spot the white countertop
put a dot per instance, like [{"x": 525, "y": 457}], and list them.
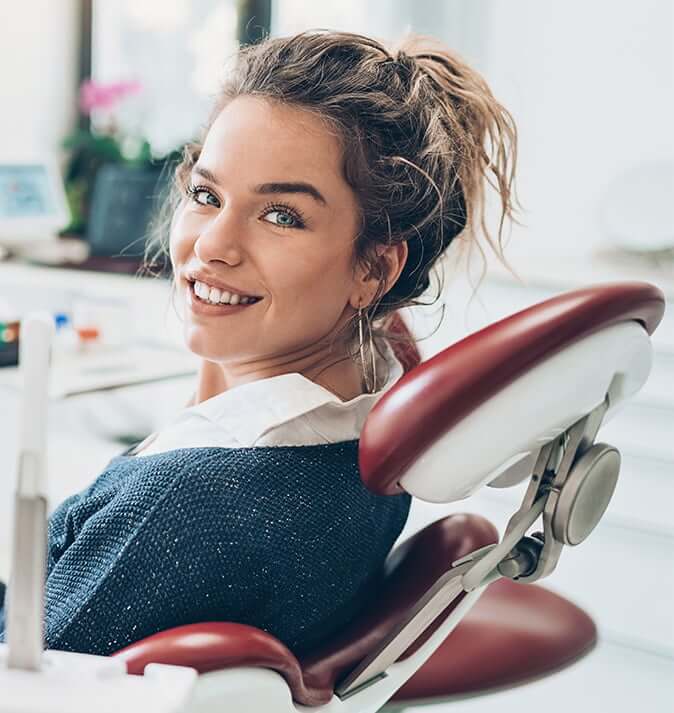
[{"x": 153, "y": 318}]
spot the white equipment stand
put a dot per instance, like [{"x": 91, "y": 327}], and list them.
[{"x": 33, "y": 680}]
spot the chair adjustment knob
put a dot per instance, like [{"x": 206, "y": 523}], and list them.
[
  {"x": 585, "y": 494},
  {"x": 523, "y": 558}
]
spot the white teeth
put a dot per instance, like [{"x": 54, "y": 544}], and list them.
[{"x": 216, "y": 296}]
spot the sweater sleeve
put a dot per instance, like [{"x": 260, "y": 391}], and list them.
[
  {"x": 127, "y": 573},
  {"x": 112, "y": 558}
]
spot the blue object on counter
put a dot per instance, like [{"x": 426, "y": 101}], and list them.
[{"x": 61, "y": 319}]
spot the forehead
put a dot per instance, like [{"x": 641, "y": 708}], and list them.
[{"x": 274, "y": 141}]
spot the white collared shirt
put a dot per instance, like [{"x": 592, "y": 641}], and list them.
[{"x": 288, "y": 409}]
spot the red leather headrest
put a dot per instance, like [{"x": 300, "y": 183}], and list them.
[{"x": 429, "y": 400}]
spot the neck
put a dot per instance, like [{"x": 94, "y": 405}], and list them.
[
  {"x": 336, "y": 372},
  {"x": 343, "y": 378}
]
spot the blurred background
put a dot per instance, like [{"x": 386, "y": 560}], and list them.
[{"x": 99, "y": 97}]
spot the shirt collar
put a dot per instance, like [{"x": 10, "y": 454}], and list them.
[{"x": 249, "y": 410}]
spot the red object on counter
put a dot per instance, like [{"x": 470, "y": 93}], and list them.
[{"x": 88, "y": 333}]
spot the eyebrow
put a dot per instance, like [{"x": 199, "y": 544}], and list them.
[{"x": 266, "y": 188}]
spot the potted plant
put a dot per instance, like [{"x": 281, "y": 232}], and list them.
[{"x": 112, "y": 179}]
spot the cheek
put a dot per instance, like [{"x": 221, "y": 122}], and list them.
[
  {"x": 181, "y": 239},
  {"x": 317, "y": 285}
]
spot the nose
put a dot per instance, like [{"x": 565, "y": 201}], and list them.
[{"x": 220, "y": 239}]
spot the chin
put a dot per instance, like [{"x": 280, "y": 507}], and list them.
[{"x": 202, "y": 344}]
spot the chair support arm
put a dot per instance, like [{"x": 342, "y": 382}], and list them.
[{"x": 517, "y": 557}]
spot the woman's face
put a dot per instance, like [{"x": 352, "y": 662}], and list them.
[{"x": 272, "y": 216}]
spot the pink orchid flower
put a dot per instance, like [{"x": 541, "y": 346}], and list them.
[{"x": 97, "y": 96}]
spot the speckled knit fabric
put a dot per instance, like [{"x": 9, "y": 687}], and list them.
[{"x": 283, "y": 538}]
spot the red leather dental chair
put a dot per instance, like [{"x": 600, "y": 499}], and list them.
[{"x": 455, "y": 612}]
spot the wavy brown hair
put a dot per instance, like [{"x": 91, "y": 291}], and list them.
[{"x": 422, "y": 137}]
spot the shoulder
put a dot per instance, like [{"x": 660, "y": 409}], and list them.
[{"x": 314, "y": 493}]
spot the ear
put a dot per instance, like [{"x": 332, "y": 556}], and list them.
[{"x": 395, "y": 256}]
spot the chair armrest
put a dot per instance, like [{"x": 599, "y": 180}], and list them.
[{"x": 211, "y": 646}]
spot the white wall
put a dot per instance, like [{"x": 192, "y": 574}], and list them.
[
  {"x": 591, "y": 87},
  {"x": 39, "y": 42}
]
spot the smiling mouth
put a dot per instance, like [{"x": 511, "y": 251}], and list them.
[{"x": 201, "y": 300}]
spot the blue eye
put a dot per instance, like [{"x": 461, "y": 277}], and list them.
[
  {"x": 195, "y": 191},
  {"x": 285, "y": 219},
  {"x": 291, "y": 218}
]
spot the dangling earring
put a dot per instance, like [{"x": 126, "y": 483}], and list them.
[{"x": 371, "y": 389}]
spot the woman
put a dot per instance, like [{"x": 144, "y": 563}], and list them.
[{"x": 332, "y": 176}]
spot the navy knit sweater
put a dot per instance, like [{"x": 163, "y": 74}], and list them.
[{"x": 286, "y": 539}]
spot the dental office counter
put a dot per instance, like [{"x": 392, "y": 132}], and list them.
[
  {"x": 36, "y": 287},
  {"x": 623, "y": 576}
]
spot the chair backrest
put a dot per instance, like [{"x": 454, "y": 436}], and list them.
[{"x": 406, "y": 352}]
